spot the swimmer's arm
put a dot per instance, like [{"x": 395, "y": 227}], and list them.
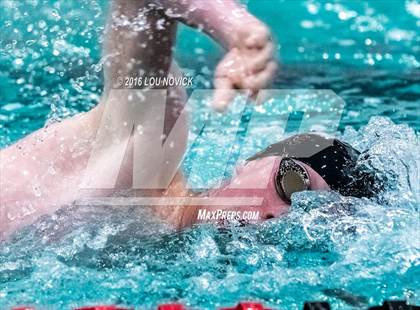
[
  {"x": 219, "y": 19},
  {"x": 249, "y": 63},
  {"x": 130, "y": 50},
  {"x": 43, "y": 171}
]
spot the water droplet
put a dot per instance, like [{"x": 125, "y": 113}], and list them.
[
  {"x": 42, "y": 24},
  {"x": 12, "y": 106},
  {"x": 199, "y": 51},
  {"x": 18, "y": 62},
  {"x": 313, "y": 8},
  {"x": 55, "y": 14},
  {"x": 307, "y": 24},
  {"x": 51, "y": 170},
  {"x": 160, "y": 24},
  {"x": 30, "y": 42},
  {"x": 413, "y": 8},
  {"x": 37, "y": 191}
]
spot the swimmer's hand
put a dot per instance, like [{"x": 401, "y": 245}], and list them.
[{"x": 249, "y": 65}]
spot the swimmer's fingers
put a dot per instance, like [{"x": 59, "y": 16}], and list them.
[
  {"x": 243, "y": 70},
  {"x": 258, "y": 37},
  {"x": 258, "y": 61},
  {"x": 229, "y": 76},
  {"x": 261, "y": 79},
  {"x": 223, "y": 93}
]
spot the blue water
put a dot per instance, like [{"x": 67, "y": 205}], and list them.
[{"x": 351, "y": 252}]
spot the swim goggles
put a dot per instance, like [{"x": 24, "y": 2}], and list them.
[{"x": 290, "y": 178}]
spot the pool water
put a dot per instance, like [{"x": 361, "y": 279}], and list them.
[{"x": 351, "y": 252}]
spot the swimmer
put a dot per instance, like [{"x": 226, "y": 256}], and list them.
[
  {"x": 43, "y": 171},
  {"x": 301, "y": 162}
]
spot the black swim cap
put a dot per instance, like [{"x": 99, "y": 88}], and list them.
[{"x": 335, "y": 161}]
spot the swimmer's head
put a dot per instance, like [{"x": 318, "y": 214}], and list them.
[
  {"x": 328, "y": 158},
  {"x": 301, "y": 162}
]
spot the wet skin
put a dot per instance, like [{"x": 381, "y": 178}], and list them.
[
  {"x": 256, "y": 179},
  {"x": 43, "y": 171}
]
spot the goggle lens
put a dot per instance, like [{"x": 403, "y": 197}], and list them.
[{"x": 291, "y": 178}]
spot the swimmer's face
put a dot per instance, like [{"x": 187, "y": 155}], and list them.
[{"x": 256, "y": 179}]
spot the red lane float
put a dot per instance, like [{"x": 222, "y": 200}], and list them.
[
  {"x": 173, "y": 306},
  {"x": 111, "y": 307},
  {"x": 247, "y": 306}
]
